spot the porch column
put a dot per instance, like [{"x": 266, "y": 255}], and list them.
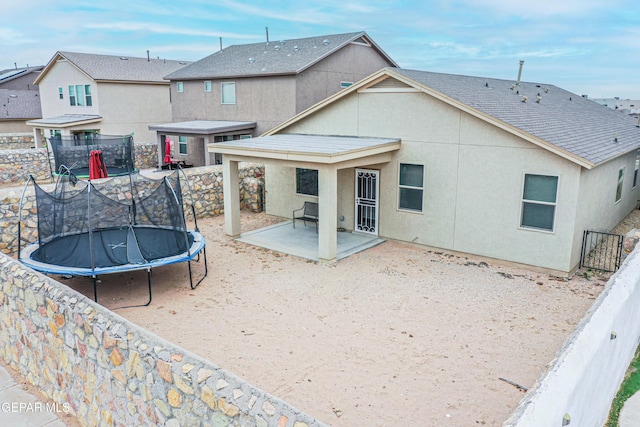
[
  {"x": 207, "y": 139},
  {"x": 37, "y": 137},
  {"x": 231, "y": 192},
  {"x": 160, "y": 139},
  {"x": 327, "y": 211}
]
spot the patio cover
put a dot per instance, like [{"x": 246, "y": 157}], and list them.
[
  {"x": 203, "y": 128},
  {"x": 60, "y": 122},
  {"x": 327, "y": 154}
]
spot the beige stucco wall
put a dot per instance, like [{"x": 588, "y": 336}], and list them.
[
  {"x": 474, "y": 175},
  {"x": 352, "y": 63},
  {"x": 125, "y": 107},
  {"x": 130, "y": 108},
  {"x": 63, "y": 74},
  {"x": 266, "y": 100},
  {"x": 271, "y": 100}
]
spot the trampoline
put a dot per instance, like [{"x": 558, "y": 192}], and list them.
[
  {"x": 119, "y": 225},
  {"x": 74, "y": 153}
]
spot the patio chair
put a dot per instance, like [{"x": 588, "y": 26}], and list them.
[{"x": 309, "y": 214}]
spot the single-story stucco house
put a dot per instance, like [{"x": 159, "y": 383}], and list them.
[{"x": 498, "y": 168}]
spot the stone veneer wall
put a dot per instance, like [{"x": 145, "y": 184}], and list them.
[
  {"x": 111, "y": 372},
  {"x": 18, "y": 162},
  {"x": 16, "y": 141},
  {"x": 206, "y": 189}
]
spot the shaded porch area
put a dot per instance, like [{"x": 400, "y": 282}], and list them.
[
  {"x": 302, "y": 241},
  {"x": 325, "y": 154}
]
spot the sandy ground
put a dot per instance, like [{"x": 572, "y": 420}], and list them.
[{"x": 397, "y": 335}]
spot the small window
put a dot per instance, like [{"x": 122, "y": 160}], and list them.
[
  {"x": 411, "y": 183},
  {"x": 635, "y": 171},
  {"x": 229, "y": 93},
  {"x": 619, "y": 186},
  {"x": 307, "y": 181},
  {"x": 180, "y": 86},
  {"x": 182, "y": 144},
  {"x": 87, "y": 95},
  {"x": 72, "y": 95},
  {"x": 246, "y": 136},
  {"x": 60, "y": 93},
  {"x": 207, "y": 86},
  {"x": 345, "y": 84},
  {"x": 539, "y": 201}
]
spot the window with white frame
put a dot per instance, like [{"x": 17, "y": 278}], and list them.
[
  {"x": 411, "y": 187},
  {"x": 619, "y": 185},
  {"x": 180, "y": 87},
  {"x": 207, "y": 86},
  {"x": 72, "y": 95},
  {"x": 539, "y": 197},
  {"x": 228, "y": 90},
  {"x": 79, "y": 95},
  {"x": 307, "y": 181},
  {"x": 60, "y": 93},
  {"x": 182, "y": 144},
  {"x": 87, "y": 95}
]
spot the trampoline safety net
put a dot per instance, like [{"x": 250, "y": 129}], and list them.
[
  {"x": 118, "y": 153},
  {"x": 95, "y": 225}
]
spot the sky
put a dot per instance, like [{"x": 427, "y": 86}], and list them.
[{"x": 589, "y": 47}]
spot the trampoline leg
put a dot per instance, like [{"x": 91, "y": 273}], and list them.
[
  {"x": 149, "y": 282},
  {"x": 206, "y": 270},
  {"x": 95, "y": 288}
]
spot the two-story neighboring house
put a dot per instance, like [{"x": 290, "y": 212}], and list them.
[
  {"x": 19, "y": 98},
  {"x": 84, "y": 94},
  {"x": 244, "y": 90}
]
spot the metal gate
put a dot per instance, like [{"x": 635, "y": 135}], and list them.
[
  {"x": 601, "y": 250},
  {"x": 367, "y": 201}
]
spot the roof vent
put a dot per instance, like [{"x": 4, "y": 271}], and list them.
[
  {"x": 524, "y": 98},
  {"x": 252, "y": 60},
  {"x": 486, "y": 84},
  {"x": 296, "y": 48},
  {"x": 123, "y": 58},
  {"x": 325, "y": 42},
  {"x": 538, "y": 99},
  {"x": 277, "y": 47}
]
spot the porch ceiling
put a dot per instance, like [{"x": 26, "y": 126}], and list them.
[{"x": 307, "y": 148}]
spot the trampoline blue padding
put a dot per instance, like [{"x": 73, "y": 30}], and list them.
[{"x": 113, "y": 251}]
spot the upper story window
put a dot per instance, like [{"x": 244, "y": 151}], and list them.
[
  {"x": 619, "y": 186},
  {"x": 411, "y": 185},
  {"x": 228, "y": 93},
  {"x": 539, "y": 202},
  {"x": 60, "y": 93},
  {"x": 345, "y": 84},
  {"x": 180, "y": 86},
  {"x": 207, "y": 86},
  {"x": 79, "y": 95}
]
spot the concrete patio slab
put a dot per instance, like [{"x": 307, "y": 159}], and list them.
[{"x": 302, "y": 241}]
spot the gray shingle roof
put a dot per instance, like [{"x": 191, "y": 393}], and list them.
[
  {"x": 14, "y": 73},
  {"x": 121, "y": 68},
  {"x": 19, "y": 104},
  {"x": 273, "y": 58},
  {"x": 571, "y": 122}
]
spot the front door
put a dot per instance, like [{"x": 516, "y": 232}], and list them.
[{"x": 367, "y": 187}]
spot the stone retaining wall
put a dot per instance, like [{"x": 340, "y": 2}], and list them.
[
  {"x": 108, "y": 371},
  {"x": 16, "y": 141},
  {"x": 206, "y": 190},
  {"x": 17, "y": 163}
]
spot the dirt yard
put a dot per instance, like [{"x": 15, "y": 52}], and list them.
[{"x": 397, "y": 335}]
